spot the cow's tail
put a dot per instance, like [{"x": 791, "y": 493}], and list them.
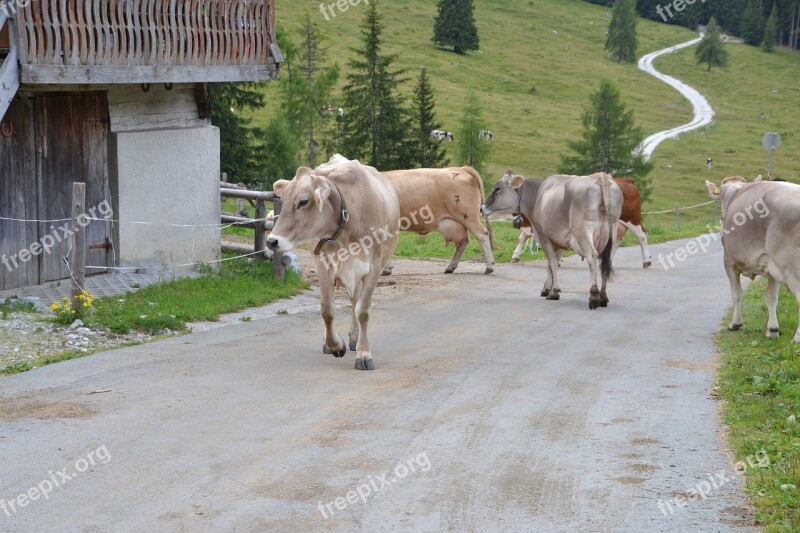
[
  {"x": 605, "y": 258},
  {"x": 479, "y": 183}
]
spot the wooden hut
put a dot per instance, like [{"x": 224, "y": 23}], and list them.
[{"x": 114, "y": 93}]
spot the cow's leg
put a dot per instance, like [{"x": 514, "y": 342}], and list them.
[
  {"x": 460, "y": 247},
  {"x": 334, "y": 343},
  {"x": 454, "y": 232},
  {"x": 622, "y": 229},
  {"x": 361, "y": 312},
  {"x": 353, "y": 334},
  {"x": 736, "y": 296},
  {"x": 589, "y": 252},
  {"x": 551, "y": 289},
  {"x": 482, "y": 234},
  {"x": 793, "y": 282},
  {"x": 771, "y": 299},
  {"x": 641, "y": 236},
  {"x": 521, "y": 242}
]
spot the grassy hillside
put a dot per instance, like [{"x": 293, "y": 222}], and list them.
[{"x": 557, "y": 46}]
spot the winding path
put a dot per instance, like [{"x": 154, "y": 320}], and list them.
[{"x": 703, "y": 112}]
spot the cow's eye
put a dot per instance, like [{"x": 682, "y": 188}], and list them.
[{"x": 302, "y": 203}]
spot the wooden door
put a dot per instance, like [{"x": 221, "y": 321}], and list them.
[
  {"x": 71, "y": 145},
  {"x": 18, "y": 197}
]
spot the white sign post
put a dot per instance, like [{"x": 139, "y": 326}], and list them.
[{"x": 771, "y": 142}]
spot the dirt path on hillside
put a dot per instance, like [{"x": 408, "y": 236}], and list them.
[
  {"x": 703, "y": 112},
  {"x": 490, "y": 409}
]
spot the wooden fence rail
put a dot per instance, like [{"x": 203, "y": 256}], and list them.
[{"x": 258, "y": 224}]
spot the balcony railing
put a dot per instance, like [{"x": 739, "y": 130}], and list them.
[{"x": 144, "y": 41}]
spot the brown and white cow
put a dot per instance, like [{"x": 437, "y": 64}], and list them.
[
  {"x": 454, "y": 197},
  {"x": 568, "y": 213},
  {"x": 350, "y": 212},
  {"x": 760, "y": 237},
  {"x": 630, "y": 219}
]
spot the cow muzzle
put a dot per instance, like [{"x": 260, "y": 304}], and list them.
[{"x": 277, "y": 243}]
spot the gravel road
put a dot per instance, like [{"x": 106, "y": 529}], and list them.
[{"x": 507, "y": 413}]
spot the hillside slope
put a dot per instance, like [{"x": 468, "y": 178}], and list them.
[{"x": 557, "y": 46}]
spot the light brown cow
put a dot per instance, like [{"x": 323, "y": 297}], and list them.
[
  {"x": 761, "y": 237},
  {"x": 351, "y": 213},
  {"x": 630, "y": 219},
  {"x": 454, "y": 197}
]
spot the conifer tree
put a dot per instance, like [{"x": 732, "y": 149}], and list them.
[
  {"x": 621, "y": 41},
  {"x": 455, "y": 26},
  {"x": 428, "y": 152},
  {"x": 711, "y": 51}
]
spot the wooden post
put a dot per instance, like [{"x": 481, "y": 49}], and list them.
[
  {"x": 678, "y": 215},
  {"x": 277, "y": 258},
  {"x": 261, "y": 214},
  {"x": 224, "y": 177},
  {"x": 78, "y": 259}
]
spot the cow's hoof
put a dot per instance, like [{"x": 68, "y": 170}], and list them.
[
  {"x": 648, "y": 264},
  {"x": 365, "y": 364},
  {"x": 554, "y": 294},
  {"x": 387, "y": 271},
  {"x": 545, "y": 292},
  {"x": 514, "y": 260},
  {"x": 449, "y": 270},
  {"x": 489, "y": 270},
  {"x": 735, "y": 327},
  {"x": 336, "y": 353},
  {"x": 353, "y": 344},
  {"x": 773, "y": 333},
  {"x": 604, "y": 300}
]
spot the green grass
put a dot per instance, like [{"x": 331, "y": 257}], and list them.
[
  {"x": 49, "y": 360},
  {"x": 760, "y": 383},
  {"x": 519, "y": 49},
  {"x": 15, "y": 306},
  {"x": 239, "y": 284}
]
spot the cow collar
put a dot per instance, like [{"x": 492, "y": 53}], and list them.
[
  {"x": 344, "y": 216},
  {"x": 519, "y": 218}
]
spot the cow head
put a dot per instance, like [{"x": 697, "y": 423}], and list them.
[
  {"x": 505, "y": 197},
  {"x": 727, "y": 189},
  {"x": 306, "y": 215}
]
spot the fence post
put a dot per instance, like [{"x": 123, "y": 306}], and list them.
[
  {"x": 277, "y": 257},
  {"x": 678, "y": 215},
  {"x": 261, "y": 214},
  {"x": 714, "y": 216},
  {"x": 224, "y": 177},
  {"x": 78, "y": 260}
]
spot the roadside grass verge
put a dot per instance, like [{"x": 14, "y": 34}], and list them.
[
  {"x": 25, "y": 366},
  {"x": 170, "y": 305},
  {"x": 760, "y": 384}
]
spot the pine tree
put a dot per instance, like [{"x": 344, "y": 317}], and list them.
[
  {"x": 711, "y": 51},
  {"x": 278, "y": 151},
  {"x": 455, "y": 26},
  {"x": 428, "y": 151},
  {"x": 771, "y": 30},
  {"x": 375, "y": 123},
  {"x": 308, "y": 87},
  {"x": 608, "y": 142},
  {"x": 621, "y": 41},
  {"x": 473, "y": 149},
  {"x": 238, "y": 140},
  {"x": 753, "y": 23}
]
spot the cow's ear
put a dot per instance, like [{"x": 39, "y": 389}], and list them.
[
  {"x": 321, "y": 195},
  {"x": 516, "y": 182},
  {"x": 280, "y": 186},
  {"x": 758, "y": 179},
  {"x": 509, "y": 172},
  {"x": 713, "y": 190}
]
